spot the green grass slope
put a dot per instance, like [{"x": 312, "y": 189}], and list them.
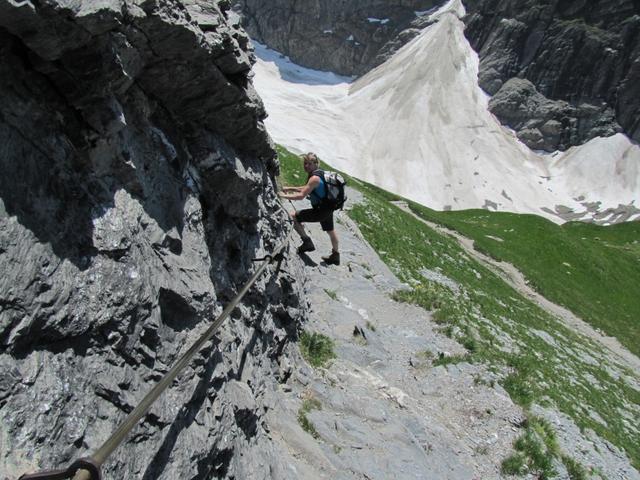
[{"x": 593, "y": 271}]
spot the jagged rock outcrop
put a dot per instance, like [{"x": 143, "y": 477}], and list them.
[
  {"x": 550, "y": 125},
  {"x": 137, "y": 186},
  {"x": 348, "y": 38},
  {"x": 583, "y": 58}
]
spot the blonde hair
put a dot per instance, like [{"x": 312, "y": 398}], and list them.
[{"x": 311, "y": 157}]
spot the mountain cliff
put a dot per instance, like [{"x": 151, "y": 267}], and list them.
[
  {"x": 561, "y": 72},
  {"x": 420, "y": 126},
  {"x": 137, "y": 186},
  {"x": 349, "y": 38}
]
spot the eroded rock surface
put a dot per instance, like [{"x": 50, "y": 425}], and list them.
[
  {"x": 583, "y": 58},
  {"x": 349, "y": 38},
  {"x": 382, "y": 409},
  {"x": 136, "y": 188}
]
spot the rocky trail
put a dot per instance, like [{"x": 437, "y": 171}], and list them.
[
  {"x": 380, "y": 409},
  {"x": 384, "y": 411}
]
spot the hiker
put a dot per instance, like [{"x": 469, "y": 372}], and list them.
[{"x": 316, "y": 190}]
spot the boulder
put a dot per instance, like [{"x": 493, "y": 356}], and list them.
[{"x": 544, "y": 124}]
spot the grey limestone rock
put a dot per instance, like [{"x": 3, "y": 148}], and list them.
[
  {"x": 584, "y": 55},
  {"x": 550, "y": 125},
  {"x": 136, "y": 188},
  {"x": 348, "y": 38}
]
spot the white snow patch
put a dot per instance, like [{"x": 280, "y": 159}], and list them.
[
  {"x": 497, "y": 239},
  {"x": 381, "y": 21},
  {"x": 603, "y": 170}
]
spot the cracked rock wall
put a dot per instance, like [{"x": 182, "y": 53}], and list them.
[
  {"x": 562, "y": 72},
  {"x": 345, "y": 37},
  {"x": 136, "y": 188}
]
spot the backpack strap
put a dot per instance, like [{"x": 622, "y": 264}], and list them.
[{"x": 320, "y": 174}]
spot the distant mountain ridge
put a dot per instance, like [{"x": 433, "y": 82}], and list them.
[{"x": 576, "y": 64}]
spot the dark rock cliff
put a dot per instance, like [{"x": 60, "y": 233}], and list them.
[
  {"x": 577, "y": 63},
  {"x": 136, "y": 188},
  {"x": 345, "y": 37}
]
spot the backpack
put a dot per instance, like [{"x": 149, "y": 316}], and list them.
[{"x": 334, "y": 183}]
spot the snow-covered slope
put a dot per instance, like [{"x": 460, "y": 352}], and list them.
[{"x": 419, "y": 125}]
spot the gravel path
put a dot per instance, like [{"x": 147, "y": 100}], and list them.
[{"x": 385, "y": 411}]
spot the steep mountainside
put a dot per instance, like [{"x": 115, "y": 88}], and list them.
[
  {"x": 136, "y": 188},
  {"x": 577, "y": 65},
  {"x": 401, "y": 400},
  {"x": 349, "y": 38},
  {"x": 561, "y": 73}
]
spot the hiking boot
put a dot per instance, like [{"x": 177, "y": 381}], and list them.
[
  {"x": 307, "y": 245},
  {"x": 333, "y": 259}
]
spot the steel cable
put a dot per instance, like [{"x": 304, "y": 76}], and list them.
[{"x": 89, "y": 468}]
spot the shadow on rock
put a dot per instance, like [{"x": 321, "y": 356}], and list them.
[{"x": 308, "y": 261}]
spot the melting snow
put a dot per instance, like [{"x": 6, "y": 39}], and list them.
[{"x": 381, "y": 21}]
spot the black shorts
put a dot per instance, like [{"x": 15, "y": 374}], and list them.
[{"x": 322, "y": 215}]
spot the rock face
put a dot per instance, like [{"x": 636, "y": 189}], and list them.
[
  {"x": 544, "y": 124},
  {"x": 348, "y": 38},
  {"x": 136, "y": 188},
  {"x": 580, "y": 60}
]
